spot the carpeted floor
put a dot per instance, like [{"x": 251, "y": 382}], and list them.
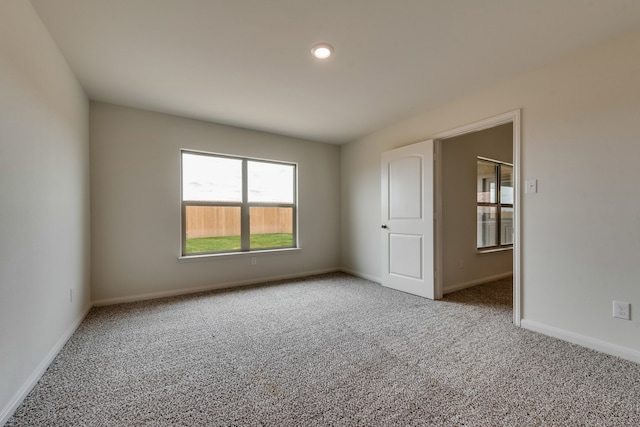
[{"x": 331, "y": 350}]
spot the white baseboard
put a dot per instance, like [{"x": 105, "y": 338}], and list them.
[
  {"x": 362, "y": 275},
  {"x": 33, "y": 379},
  {"x": 474, "y": 282},
  {"x": 583, "y": 340},
  {"x": 224, "y": 285}
]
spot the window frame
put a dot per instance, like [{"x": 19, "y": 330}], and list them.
[
  {"x": 244, "y": 205},
  {"x": 498, "y": 205}
]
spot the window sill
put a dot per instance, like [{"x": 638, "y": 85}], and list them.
[
  {"x": 493, "y": 250},
  {"x": 203, "y": 257}
]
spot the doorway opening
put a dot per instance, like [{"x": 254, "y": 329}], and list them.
[{"x": 459, "y": 260}]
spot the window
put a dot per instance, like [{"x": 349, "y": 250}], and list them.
[
  {"x": 495, "y": 204},
  {"x": 234, "y": 204}
]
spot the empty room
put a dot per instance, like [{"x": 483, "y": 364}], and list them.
[{"x": 358, "y": 212}]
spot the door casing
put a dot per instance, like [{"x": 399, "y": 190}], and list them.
[{"x": 513, "y": 117}]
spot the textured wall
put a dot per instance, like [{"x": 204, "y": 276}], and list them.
[
  {"x": 135, "y": 185},
  {"x": 462, "y": 264},
  {"x": 44, "y": 201},
  {"x": 580, "y": 140}
]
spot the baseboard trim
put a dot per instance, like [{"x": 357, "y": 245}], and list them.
[
  {"x": 361, "y": 275},
  {"x": 582, "y": 340},
  {"x": 224, "y": 285},
  {"x": 35, "y": 376},
  {"x": 474, "y": 282}
]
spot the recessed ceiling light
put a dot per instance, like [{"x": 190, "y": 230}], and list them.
[{"x": 322, "y": 50}]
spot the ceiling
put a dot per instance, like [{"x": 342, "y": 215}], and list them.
[{"x": 247, "y": 63}]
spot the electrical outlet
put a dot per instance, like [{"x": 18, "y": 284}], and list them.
[
  {"x": 254, "y": 261},
  {"x": 622, "y": 310}
]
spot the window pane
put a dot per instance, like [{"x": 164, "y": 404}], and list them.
[
  {"x": 212, "y": 228},
  {"x": 506, "y": 184},
  {"x": 506, "y": 226},
  {"x": 486, "y": 186},
  {"x": 487, "y": 226},
  {"x": 270, "y": 182},
  {"x": 211, "y": 179},
  {"x": 271, "y": 227}
]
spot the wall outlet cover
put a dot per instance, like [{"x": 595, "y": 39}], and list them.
[{"x": 622, "y": 310}]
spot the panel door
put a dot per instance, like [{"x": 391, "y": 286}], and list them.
[{"x": 408, "y": 220}]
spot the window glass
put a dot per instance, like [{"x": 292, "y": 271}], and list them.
[
  {"x": 212, "y": 228},
  {"x": 270, "y": 182},
  {"x": 506, "y": 184},
  {"x": 486, "y": 182},
  {"x": 232, "y": 204},
  {"x": 212, "y": 179},
  {"x": 495, "y": 196},
  {"x": 506, "y": 226},
  {"x": 487, "y": 222},
  {"x": 271, "y": 227}
]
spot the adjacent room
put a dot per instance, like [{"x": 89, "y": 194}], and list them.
[{"x": 355, "y": 212}]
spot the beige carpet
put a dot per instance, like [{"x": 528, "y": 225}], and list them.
[{"x": 330, "y": 350}]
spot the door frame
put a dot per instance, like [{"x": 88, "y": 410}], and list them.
[{"x": 513, "y": 117}]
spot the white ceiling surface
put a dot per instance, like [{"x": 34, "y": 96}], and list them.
[{"x": 247, "y": 63}]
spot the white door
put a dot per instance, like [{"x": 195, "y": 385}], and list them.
[{"x": 407, "y": 219}]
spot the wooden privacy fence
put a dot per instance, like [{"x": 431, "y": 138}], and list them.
[{"x": 215, "y": 221}]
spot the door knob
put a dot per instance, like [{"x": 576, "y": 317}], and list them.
[{"x": 384, "y": 225}]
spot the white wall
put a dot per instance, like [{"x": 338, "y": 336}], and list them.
[
  {"x": 44, "y": 201},
  {"x": 581, "y": 231},
  {"x": 462, "y": 265},
  {"x": 135, "y": 202}
]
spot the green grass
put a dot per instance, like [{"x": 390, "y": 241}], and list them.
[
  {"x": 276, "y": 240},
  {"x": 231, "y": 243}
]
